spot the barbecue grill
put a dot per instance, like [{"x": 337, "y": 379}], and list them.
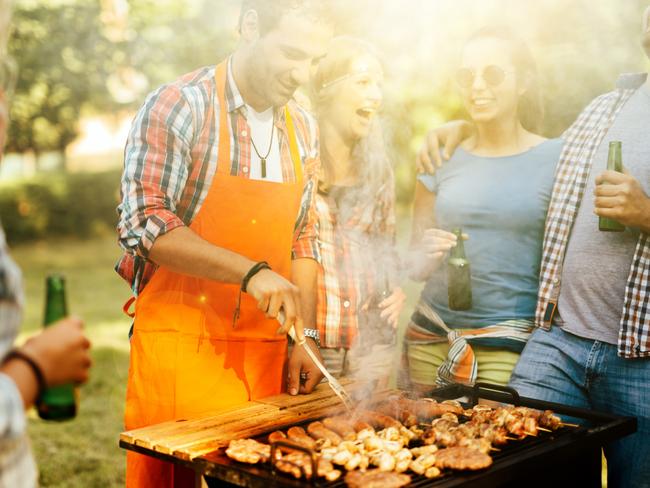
[{"x": 570, "y": 456}]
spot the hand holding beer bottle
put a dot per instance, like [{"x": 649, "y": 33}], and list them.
[
  {"x": 459, "y": 278},
  {"x": 614, "y": 163},
  {"x": 61, "y": 352}
]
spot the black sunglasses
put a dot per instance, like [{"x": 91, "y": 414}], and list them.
[{"x": 492, "y": 74}]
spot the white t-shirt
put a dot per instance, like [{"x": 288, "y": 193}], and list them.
[{"x": 261, "y": 125}]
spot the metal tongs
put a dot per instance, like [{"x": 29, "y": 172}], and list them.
[{"x": 334, "y": 384}]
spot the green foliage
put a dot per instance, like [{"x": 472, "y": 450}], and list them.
[
  {"x": 63, "y": 60},
  {"x": 81, "y": 205}
]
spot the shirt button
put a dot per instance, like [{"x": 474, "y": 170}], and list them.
[
  {"x": 556, "y": 281},
  {"x": 346, "y": 304},
  {"x": 245, "y": 169},
  {"x": 244, "y": 133}
]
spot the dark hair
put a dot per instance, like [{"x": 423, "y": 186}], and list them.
[
  {"x": 531, "y": 108},
  {"x": 269, "y": 12}
]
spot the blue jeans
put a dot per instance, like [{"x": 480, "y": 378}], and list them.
[{"x": 557, "y": 366}]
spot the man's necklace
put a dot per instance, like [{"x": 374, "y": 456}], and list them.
[{"x": 268, "y": 151}]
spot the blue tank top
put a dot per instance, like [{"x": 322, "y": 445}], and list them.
[{"x": 501, "y": 203}]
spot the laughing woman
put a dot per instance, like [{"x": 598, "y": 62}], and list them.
[
  {"x": 496, "y": 188},
  {"x": 358, "y": 302}
]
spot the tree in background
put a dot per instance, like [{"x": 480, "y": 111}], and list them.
[
  {"x": 63, "y": 59},
  {"x": 99, "y": 56}
]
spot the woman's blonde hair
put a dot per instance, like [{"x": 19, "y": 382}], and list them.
[
  {"x": 531, "y": 107},
  {"x": 369, "y": 155}
]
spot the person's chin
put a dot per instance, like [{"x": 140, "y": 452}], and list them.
[{"x": 280, "y": 100}]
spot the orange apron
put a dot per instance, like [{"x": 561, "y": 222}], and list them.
[{"x": 186, "y": 357}]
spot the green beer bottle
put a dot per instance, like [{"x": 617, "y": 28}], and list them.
[
  {"x": 614, "y": 163},
  {"x": 458, "y": 276},
  {"x": 59, "y": 402}
]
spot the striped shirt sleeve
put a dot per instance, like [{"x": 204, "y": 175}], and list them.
[
  {"x": 12, "y": 413},
  {"x": 157, "y": 161},
  {"x": 305, "y": 242}
]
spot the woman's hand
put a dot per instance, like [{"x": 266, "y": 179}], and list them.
[
  {"x": 392, "y": 306},
  {"x": 431, "y": 251}
]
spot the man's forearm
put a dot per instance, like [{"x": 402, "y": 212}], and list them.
[
  {"x": 304, "y": 274},
  {"x": 182, "y": 250}
]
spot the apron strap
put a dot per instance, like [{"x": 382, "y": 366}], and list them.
[
  {"x": 223, "y": 162},
  {"x": 293, "y": 145},
  {"x": 126, "y": 308}
]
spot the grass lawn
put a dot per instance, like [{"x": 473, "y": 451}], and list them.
[{"x": 83, "y": 452}]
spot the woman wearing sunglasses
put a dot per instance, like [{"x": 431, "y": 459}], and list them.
[
  {"x": 497, "y": 189},
  {"x": 358, "y": 302}
]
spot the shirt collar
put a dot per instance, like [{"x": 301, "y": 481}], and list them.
[
  {"x": 631, "y": 81},
  {"x": 234, "y": 100}
]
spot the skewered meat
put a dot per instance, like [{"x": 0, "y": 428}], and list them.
[
  {"x": 299, "y": 436},
  {"x": 248, "y": 451},
  {"x": 375, "y": 478},
  {"x": 549, "y": 420},
  {"x": 462, "y": 458},
  {"x": 318, "y": 431}
]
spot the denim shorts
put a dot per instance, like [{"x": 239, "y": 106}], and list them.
[{"x": 558, "y": 366}]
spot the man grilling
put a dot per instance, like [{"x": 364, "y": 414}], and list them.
[{"x": 218, "y": 226}]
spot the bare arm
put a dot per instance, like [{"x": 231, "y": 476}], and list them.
[
  {"x": 183, "y": 251},
  {"x": 447, "y": 136}
]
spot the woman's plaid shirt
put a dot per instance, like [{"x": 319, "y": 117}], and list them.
[
  {"x": 354, "y": 244},
  {"x": 582, "y": 140},
  {"x": 171, "y": 158}
]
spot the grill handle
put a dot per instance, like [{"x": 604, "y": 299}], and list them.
[
  {"x": 511, "y": 392},
  {"x": 290, "y": 445}
]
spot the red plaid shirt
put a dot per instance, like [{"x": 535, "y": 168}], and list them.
[
  {"x": 582, "y": 141},
  {"x": 171, "y": 157},
  {"x": 352, "y": 248}
]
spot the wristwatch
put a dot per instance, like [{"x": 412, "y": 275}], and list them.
[{"x": 313, "y": 334}]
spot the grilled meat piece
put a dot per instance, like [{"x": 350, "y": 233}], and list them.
[
  {"x": 319, "y": 432},
  {"x": 360, "y": 426},
  {"x": 462, "y": 458},
  {"x": 248, "y": 451},
  {"x": 277, "y": 435},
  {"x": 379, "y": 420},
  {"x": 298, "y": 464},
  {"x": 299, "y": 436},
  {"x": 342, "y": 426},
  {"x": 375, "y": 478}
]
